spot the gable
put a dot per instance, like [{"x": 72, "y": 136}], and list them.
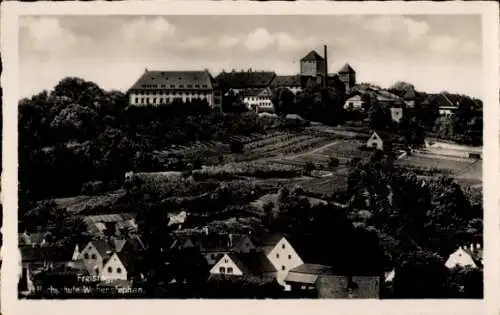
[
  {"x": 375, "y": 137},
  {"x": 226, "y": 262},
  {"x": 89, "y": 250},
  {"x": 114, "y": 265},
  {"x": 283, "y": 254},
  {"x": 460, "y": 258}
]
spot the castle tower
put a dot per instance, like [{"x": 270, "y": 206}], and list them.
[
  {"x": 348, "y": 76},
  {"x": 312, "y": 65}
]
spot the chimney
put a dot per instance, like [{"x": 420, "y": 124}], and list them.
[
  {"x": 326, "y": 66},
  {"x": 230, "y": 240},
  {"x": 471, "y": 247}
]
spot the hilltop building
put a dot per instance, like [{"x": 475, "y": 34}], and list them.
[{"x": 163, "y": 87}]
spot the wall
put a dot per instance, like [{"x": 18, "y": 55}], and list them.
[
  {"x": 115, "y": 264},
  {"x": 279, "y": 258}
]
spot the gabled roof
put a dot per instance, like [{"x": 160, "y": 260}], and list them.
[
  {"x": 256, "y": 92},
  {"x": 286, "y": 81},
  {"x": 307, "y": 273},
  {"x": 312, "y": 56},
  {"x": 253, "y": 263},
  {"x": 346, "y": 69},
  {"x": 244, "y": 80},
  {"x": 153, "y": 80},
  {"x": 384, "y": 135}
]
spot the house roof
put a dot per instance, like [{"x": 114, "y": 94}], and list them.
[
  {"x": 384, "y": 135},
  {"x": 152, "y": 80},
  {"x": 409, "y": 94},
  {"x": 244, "y": 80},
  {"x": 314, "y": 269},
  {"x": 96, "y": 224},
  {"x": 312, "y": 56},
  {"x": 257, "y": 92},
  {"x": 253, "y": 263},
  {"x": 286, "y": 81},
  {"x": 346, "y": 69}
]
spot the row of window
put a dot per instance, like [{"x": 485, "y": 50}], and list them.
[
  {"x": 145, "y": 100},
  {"x": 173, "y": 86},
  {"x": 257, "y": 98},
  {"x": 228, "y": 271},
  {"x": 118, "y": 270},
  {"x": 86, "y": 256},
  {"x": 157, "y": 92},
  {"x": 178, "y": 93},
  {"x": 278, "y": 256}
]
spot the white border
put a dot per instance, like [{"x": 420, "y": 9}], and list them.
[{"x": 9, "y": 46}]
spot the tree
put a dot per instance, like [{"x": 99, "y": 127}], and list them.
[
  {"x": 283, "y": 101},
  {"x": 379, "y": 116}
]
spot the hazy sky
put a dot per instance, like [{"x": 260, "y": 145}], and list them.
[{"x": 434, "y": 53}]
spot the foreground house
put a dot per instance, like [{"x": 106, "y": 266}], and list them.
[{"x": 465, "y": 257}]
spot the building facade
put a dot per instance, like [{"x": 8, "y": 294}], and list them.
[
  {"x": 155, "y": 88},
  {"x": 348, "y": 76}
]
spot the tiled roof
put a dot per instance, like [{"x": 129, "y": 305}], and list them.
[
  {"x": 187, "y": 80},
  {"x": 257, "y": 92},
  {"x": 286, "y": 81},
  {"x": 346, "y": 69},
  {"x": 244, "y": 80},
  {"x": 409, "y": 94},
  {"x": 314, "y": 269},
  {"x": 253, "y": 263},
  {"x": 312, "y": 56}
]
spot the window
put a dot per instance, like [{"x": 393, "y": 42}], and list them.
[
  {"x": 225, "y": 260},
  {"x": 110, "y": 270},
  {"x": 86, "y": 256},
  {"x": 172, "y": 86},
  {"x": 283, "y": 246},
  {"x": 197, "y": 85},
  {"x": 181, "y": 85},
  {"x": 277, "y": 255},
  {"x": 229, "y": 270},
  {"x": 289, "y": 256},
  {"x": 136, "y": 100},
  {"x": 283, "y": 268},
  {"x": 222, "y": 270},
  {"x": 189, "y": 85},
  {"x": 118, "y": 270},
  {"x": 94, "y": 256}
]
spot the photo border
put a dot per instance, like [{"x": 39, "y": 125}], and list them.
[{"x": 10, "y": 13}]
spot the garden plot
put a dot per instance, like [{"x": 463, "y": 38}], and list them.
[{"x": 451, "y": 166}]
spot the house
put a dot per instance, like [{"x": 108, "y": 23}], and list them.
[
  {"x": 305, "y": 276},
  {"x": 280, "y": 253},
  {"x": 253, "y": 264},
  {"x": 35, "y": 260},
  {"x": 379, "y": 140},
  {"x": 349, "y": 287},
  {"x": 214, "y": 246},
  {"x": 163, "y": 87},
  {"x": 239, "y": 81},
  {"x": 109, "y": 259},
  {"x": 290, "y": 82},
  {"x": 110, "y": 224},
  {"x": 354, "y": 103},
  {"x": 258, "y": 100},
  {"x": 465, "y": 257}
]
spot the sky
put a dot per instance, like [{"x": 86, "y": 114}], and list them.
[{"x": 433, "y": 52}]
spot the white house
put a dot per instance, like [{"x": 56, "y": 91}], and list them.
[
  {"x": 258, "y": 100},
  {"x": 462, "y": 257},
  {"x": 113, "y": 269},
  {"x": 104, "y": 259},
  {"x": 282, "y": 256},
  {"x": 354, "y": 103},
  {"x": 227, "y": 266},
  {"x": 378, "y": 140}
]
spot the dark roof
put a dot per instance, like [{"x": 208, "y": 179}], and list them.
[
  {"x": 314, "y": 269},
  {"x": 409, "y": 94},
  {"x": 128, "y": 260},
  {"x": 174, "y": 80},
  {"x": 244, "y": 80},
  {"x": 312, "y": 56},
  {"x": 253, "y": 263},
  {"x": 286, "y": 80},
  {"x": 220, "y": 243},
  {"x": 347, "y": 69},
  {"x": 256, "y": 92},
  {"x": 267, "y": 239}
]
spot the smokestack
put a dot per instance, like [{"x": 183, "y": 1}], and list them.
[{"x": 326, "y": 66}]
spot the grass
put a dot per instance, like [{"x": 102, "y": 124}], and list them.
[{"x": 78, "y": 204}]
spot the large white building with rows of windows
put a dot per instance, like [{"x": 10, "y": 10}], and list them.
[{"x": 163, "y": 87}]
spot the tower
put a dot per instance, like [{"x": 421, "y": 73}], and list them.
[
  {"x": 348, "y": 76},
  {"x": 312, "y": 65}
]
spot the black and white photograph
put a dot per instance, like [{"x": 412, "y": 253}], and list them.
[{"x": 253, "y": 156}]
